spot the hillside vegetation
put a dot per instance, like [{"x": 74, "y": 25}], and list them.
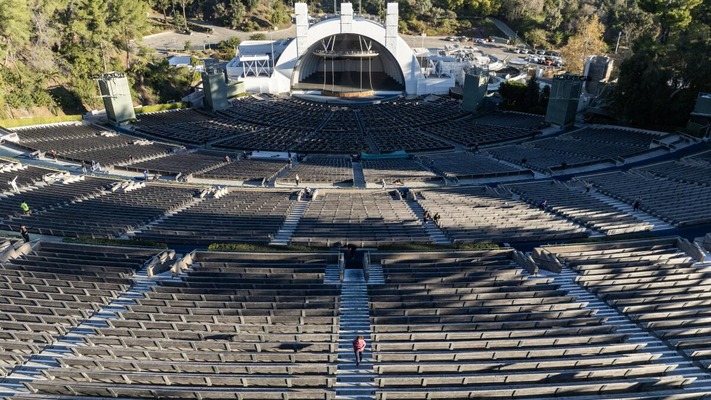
[{"x": 50, "y": 49}]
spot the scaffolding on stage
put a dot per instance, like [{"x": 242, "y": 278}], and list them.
[{"x": 329, "y": 53}]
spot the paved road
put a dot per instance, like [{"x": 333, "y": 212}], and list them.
[
  {"x": 168, "y": 42},
  {"x": 172, "y": 42}
]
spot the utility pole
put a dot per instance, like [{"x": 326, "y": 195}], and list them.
[{"x": 619, "y": 35}]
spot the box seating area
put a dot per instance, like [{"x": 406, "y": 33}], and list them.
[
  {"x": 84, "y": 144},
  {"x": 48, "y": 196},
  {"x": 267, "y": 138},
  {"x": 69, "y": 146},
  {"x": 512, "y": 119},
  {"x": 679, "y": 203},
  {"x": 239, "y": 216},
  {"x": 407, "y": 139},
  {"x": 108, "y": 215},
  {"x": 197, "y": 132},
  {"x": 704, "y": 157},
  {"x": 472, "y": 214},
  {"x": 185, "y": 163},
  {"x": 653, "y": 283},
  {"x": 27, "y": 175},
  {"x": 237, "y": 326},
  {"x": 131, "y": 152},
  {"x": 316, "y": 169},
  {"x": 292, "y": 124},
  {"x": 630, "y": 139},
  {"x": 409, "y": 113},
  {"x": 685, "y": 171},
  {"x": 323, "y": 141},
  {"x": 340, "y": 132},
  {"x": 463, "y": 164},
  {"x": 540, "y": 159},
  {"x": 247, "y": 170},
  {"x": 472, "y": 325},
  {"x": 586, "y": 145},
  {"x": 403, "y": 169},
  {"x": 341, "y": 119},
  {"x": 580, "y": 207},
  {"x": 361, "y": 218},
  {"x": 283, "y": 113},
  {"x": 44, "y": 293},
  {"x": 56, "y": 132},
  {"x": 471, "y": 133},
  {"x": 583, "y": 146},
  {"x": 171, "y": 117}
]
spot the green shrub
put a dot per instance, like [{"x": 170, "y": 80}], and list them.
[
  {"x": 13, "y": 123},
  {"x": 10, "y": 235},
  {"x": 431, "y": 247},
  {"x": 116, "y": 242},
  {"x": 261, "y": 247},
  {"x": 162, "y": 107},
  {"x": 613, "y": 238}
]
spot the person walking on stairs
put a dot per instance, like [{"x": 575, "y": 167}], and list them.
[
  {"x": 358, "y": 347},
  {"x": 25, "y": 233},
  {"x": 25, "y": 208}
]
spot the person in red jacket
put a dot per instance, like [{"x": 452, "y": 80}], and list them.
[{"x": 358, "y": 347}]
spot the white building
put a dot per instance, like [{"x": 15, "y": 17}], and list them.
[{"x": 345, "y": 56}]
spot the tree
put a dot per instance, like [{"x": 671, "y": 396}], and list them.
[
  {"x": 279, "y": 13},
  {"x": 552, "y": 14},
  {"x": 514, "y": 94},
  {"x": 15, "y": 28},
  {"x": 516, "y": 10},
  {"x": 129, "y": 22},
  {"x": 232, "y": 14},
  {"x": 88, "y": 37},
  {"x": 643, "y": 84},
  {"x": 631, "y": 22},
  {"x": 672, "y": 15},
  {"x": 586, "y": 41},
  {"x": 536, "y": 37},
  {"x": 163, "y": 6},
  {"x": 183, "y": 4},
  {"x": 533, "y": 94},
  {"x": 45, "y": 37},
  {"x": 482, "y": 7}
]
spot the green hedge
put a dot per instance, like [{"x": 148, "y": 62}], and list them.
[
  {"x": 116, "y": 242},
  {"x": 10, "y": 235},
  {"x": 162, "y": 107},
  {"x": 14, "y": 123},
  {"x": 199, "y": 28},
  {"x": 261, "y": 247},
  {"x": 614, "y": 238},
  {"x": 431, "y": 247}
]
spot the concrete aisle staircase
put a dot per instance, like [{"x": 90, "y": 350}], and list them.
[
  {"x": 436, "y": 234},
  {"x": 658, "y": 224},
  {"x": 32, "y": 369},
  {"x": 669, "y": 356},
  {"x": 283, "y": 236},
  {"x": 358, "y": 177},
  {"x": 195, "y": 201},
  {"x": 354, "y": 382}
]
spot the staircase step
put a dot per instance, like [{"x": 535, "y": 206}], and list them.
[{"x": 354, "y": 314}]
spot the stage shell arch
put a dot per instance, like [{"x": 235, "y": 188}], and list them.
[{"x": 286, "y": 72}]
